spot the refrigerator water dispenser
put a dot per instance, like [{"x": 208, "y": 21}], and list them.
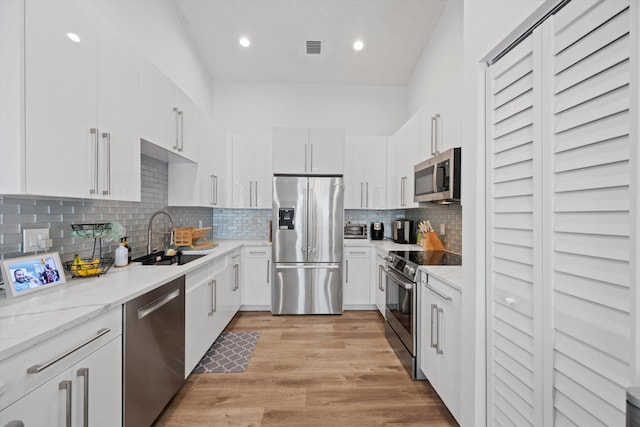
[{"x": 286, "y": 218}]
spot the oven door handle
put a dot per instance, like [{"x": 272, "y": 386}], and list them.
[{"x": 398, "y": 279}]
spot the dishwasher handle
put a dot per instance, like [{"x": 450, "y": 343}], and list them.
[{"x": 156, "y": 304}]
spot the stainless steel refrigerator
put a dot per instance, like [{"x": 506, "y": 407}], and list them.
[{"x": 307, "y": 233}]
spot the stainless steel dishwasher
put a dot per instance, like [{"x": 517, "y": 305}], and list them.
[{"x": 153, "y": 352}]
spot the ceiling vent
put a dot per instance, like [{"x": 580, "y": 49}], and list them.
[{"x": 314, "y": 47}]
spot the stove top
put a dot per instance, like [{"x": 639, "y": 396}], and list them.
[
  {"x": 406, "y": 263},
  {"x": 429, "y": 257}
]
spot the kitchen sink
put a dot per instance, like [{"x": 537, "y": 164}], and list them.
[{"x": 159, "y": 258}]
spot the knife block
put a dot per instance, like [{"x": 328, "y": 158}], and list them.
[{"x": 431, "y": 242}]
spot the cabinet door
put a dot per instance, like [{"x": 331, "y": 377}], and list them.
[
  {"x": 158, "y": 100},
  {"x": 61, "y": 88},
  {"x": 357, "y": 266},
  {"x": 242, "y": 171},
  {"x": 263, "y": 172},
  {"x": 257, "y": 276},
  {"x": 375, "y": 172},
  {"x": 393, "y": 179},
  {"x": 290, "y": 151},
  {"x": 188, "y": 126},
  {"x": 429, "y": 361},
  {"x": 118, "y": 116},
  {"x": 200, "y": 309},
  {"x": 354, "y": 172},
  {"x": 101, "y": 401},
  {"x": 380, "y": 294},
  {"x": 326, "y": 151}
]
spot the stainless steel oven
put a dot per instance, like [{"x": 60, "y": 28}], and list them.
[{"x": 401, "y": 307}]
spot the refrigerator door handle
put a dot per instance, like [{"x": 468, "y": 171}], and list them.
[{"x": 307, "y": 267}]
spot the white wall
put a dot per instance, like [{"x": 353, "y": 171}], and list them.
[
  {"x": 439, "y": 70},
  {"x": 258, "y": 107},
  {"x": 486, "y": 24},
  {"x": 154, "y": 28}
]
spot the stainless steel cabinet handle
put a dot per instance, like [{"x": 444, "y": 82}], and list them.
[
  {"x": 380, "y": 278},
  {"x": 311, "y": 158},
  {"x": 434, "y": 308},
  {"x": 366, "y": 197},
  {"x": 66, "y": 385},
  {"x": 212, "y": 286},
  {"x": 107, "y": 139},
  {"x": 39, "y": 368},
  {"x": 177, "y": 112},
  {"x": 236, "y": 282},
  {"x": 250, "y": 194},
  {"x": 439, "y": 350},
  {"x": 346, "y": 267},
  {"x": 84, "y": 372},
  {"x": 214, "y": 190},
  {"x": 306, "y": 157},
  {"x": 181, "y": 117},
  {"x": 361, "y": 194},
  {"x": 255, "y": 195},
  {"x": 156, "y": 304},
  {"x": 357, "y": 252},
  {"x": 268, "y": 269},
  {"x": 444, "y": 297},
  {"x": 94, "y": 134},
  {"x": 258, "y": 252},
  {"x": 433, "y": 135}
]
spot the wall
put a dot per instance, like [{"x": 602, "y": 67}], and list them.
[
  {"x": 155, "y": 29},
  {"x": 438, "y": 72},
  {"x": 258, "y": 107},
  {"x": 57, "y": 214},
  {"x": 486, "y": 24}
]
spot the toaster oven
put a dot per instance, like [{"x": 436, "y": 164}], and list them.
[{"x": 355, "y": 231}]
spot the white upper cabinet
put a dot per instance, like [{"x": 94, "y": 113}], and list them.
[
  {"x": 365, "y": 172},
  {"x": 169, "y": 118},
  {"x": 308, "y": 151},
  {"x": 82, "y": 105},
  {"x": 251, "y": 171},
  {"x": 203, "y": 183},
  {"x": 406, "y": 150}
]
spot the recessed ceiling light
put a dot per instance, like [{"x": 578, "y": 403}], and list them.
[
  {"x": 358, "y": 45},
  {"x": 244, "y": 42},
  {"x": 73, "y": 37}
]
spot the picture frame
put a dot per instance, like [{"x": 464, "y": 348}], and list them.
[{"x": 33, "y": 273}]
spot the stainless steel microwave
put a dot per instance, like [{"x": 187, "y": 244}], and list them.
[{"x": 438, "y": 179}]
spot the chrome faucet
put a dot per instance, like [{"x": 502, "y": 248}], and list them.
[{"x": 150, "y": 229}]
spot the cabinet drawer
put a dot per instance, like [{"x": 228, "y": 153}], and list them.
[
  {"x": 54, "y": 355},
  {"x": 203, "y": 273},
  {"x": 257, "y": 252},
  {"x": 357, "y": 252}
]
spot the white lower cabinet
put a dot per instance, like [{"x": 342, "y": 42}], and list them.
[
  {"x": 257, "y": 277},
  {"x": 73, "y": 379},
  {"x": 379, "y": 281},
  {"x": 440, "y": 346},
  {"x": 356, "y": 280},
  {"x": 213, "y": 298}
]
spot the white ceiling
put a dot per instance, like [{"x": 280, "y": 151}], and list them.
[{"x": 394, "y": 32}]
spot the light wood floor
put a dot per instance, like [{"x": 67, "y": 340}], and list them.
[{"x": 310, "y": 371}]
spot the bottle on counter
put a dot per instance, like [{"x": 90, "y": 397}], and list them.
[
  {"x": 121, "y": 256},
  {"x": 126, "y": 245}
]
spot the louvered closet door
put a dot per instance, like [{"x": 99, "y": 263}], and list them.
[
  {"x": 513, "y": 251},
  {"x": 588, "y": 261}
]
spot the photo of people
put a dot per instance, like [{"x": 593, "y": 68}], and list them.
[{"x": 32, "y": 273}]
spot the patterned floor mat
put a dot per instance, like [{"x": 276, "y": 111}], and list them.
[{"x": 231, "y": 352}]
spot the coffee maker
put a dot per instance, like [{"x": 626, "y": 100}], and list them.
[
  {"x": 377, "y": 231},
  {"x": 404, "y": 231}
]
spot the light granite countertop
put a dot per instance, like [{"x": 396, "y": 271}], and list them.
[
  {"x": 450, "y": 274},
  {"x": 26, "y": 321}
]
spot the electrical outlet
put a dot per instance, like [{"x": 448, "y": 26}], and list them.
[
  {"x": 442, "y": 229},
  {"x": 31, "y": 240}
]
